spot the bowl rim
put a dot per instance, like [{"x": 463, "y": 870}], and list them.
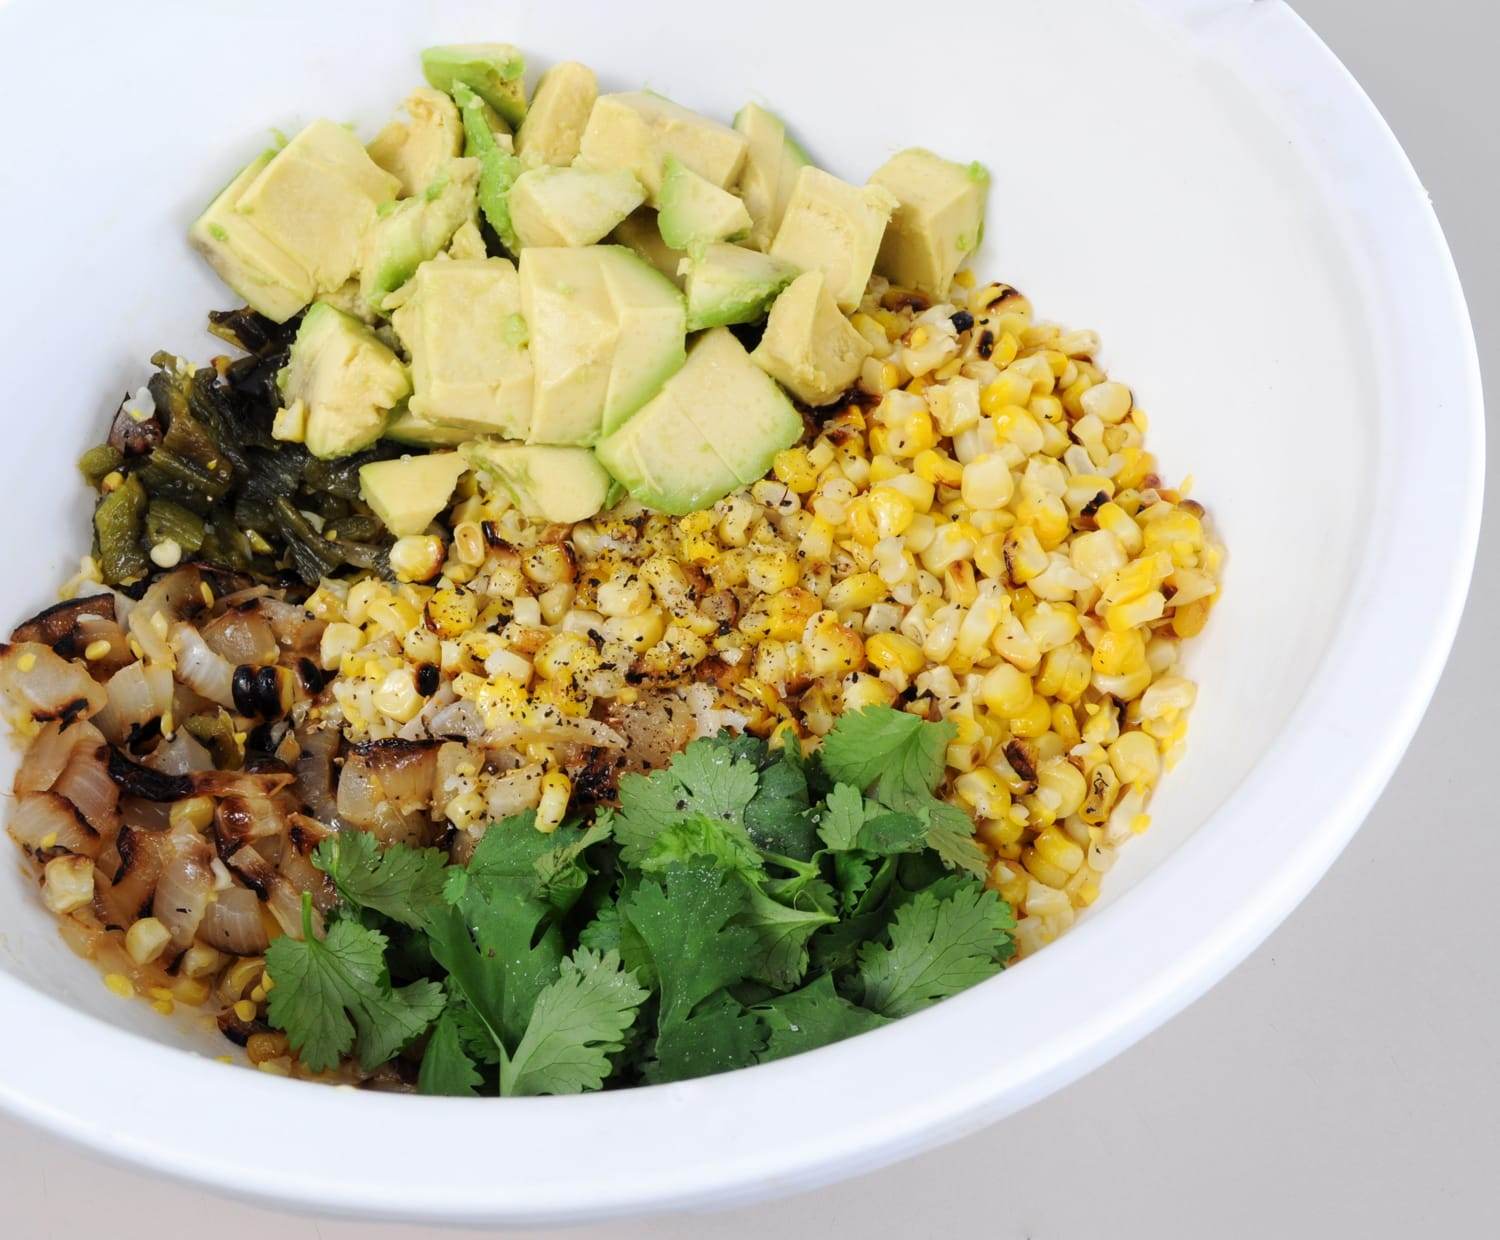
[{"x": 733, "y": 1142}]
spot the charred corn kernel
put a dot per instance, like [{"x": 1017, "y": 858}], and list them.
[
  {"x": 639, "y": 632},
  {"x": 1006, "y": 690},
  {"x": 191, "y": 814},
  {"x": 989, "y": 555},
  {"x": 856, "y": 592},
  {"x": 146, "y": 940},
  {"x": 937, "y": 468},
  {"x": 67, "y": 883},
  {"x": 417, "y": 557},
  {"x": 1117, "y": 652},
  {"x": 816, "y": 542},
  {"x": 1135, "y": 758},
  {"x": 1103, "y": 789},
  {"x": 984, "y": 792},
  {"x": 1058, "y": 850},
  {"x": 862, "y": 689},
  {"x": 831, "y": 648},
  {"x": 397, "y": 697},
  {"x": 339, "y": 639},
  {"x": 910, "y": 434},
  {"x": 1033, "y": 720},
  {"x": 564, "y": 655},
  {"x": 891, "y": 510},
  {"x": 789, "y": 612},
  {"x": 422, "y": 645},
  {"x": 1108, "y": 401},
  {"x": 468, "y": 542},
  {"x": 793, "y": 468},
  {"x": 773, "y": 571},
  {"x": 1023, "y": 555},
  {"x": 557, "y": 788},
  {"x": 893, "y": 650},
  {"x": 987, "y": 482},
  {"x": 548, "y": 564}
]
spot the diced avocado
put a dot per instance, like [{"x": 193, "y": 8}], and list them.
[
  {"x": 560, "y": 108},
  {"x": 269, "y": 279},
  {"x": 496, "y": 72},
  {"x": 347, "y": 379},
  {"x": 793, "y": 160},
  {"x": 406, "y": 427},
  {"x": 730, "y": 284},
  {"x": 571, "y": 206},
  {"x": 836, "y": 228},
  {"x": 694, "y": 211},
  {"x": 409, "y": 492},
  {"x": 468, "y": 241},
  {"x": 486, "y": 139},
  {"x": 715, "y": 426},
  {"x": 938, "y": 221},
  {"x": 761, "y": 180},
  {"x": 653, "y": 328},
  {"x": 637, "y": 130},
  {"x": 415, "y": 229},
  {"x": 414, "y": 149},
  {"x": 462, "y": 326},
  {"x": 809, "y": 347},
  {"x": 638, "y": 232},
  {"x": 605, "y": 332},
  {"x": 317, "y": 198},
  {"x": 548, "y": 483}
]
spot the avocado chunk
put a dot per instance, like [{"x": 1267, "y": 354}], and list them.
[
  {"x": 809, "y": 347},
  {"x": 409, "y": 492},
  {"x": 638, "y": 232},
  {"x": 415, "y": 229},
  {"x": 291, "y": 225},
  {"x": 548, "y": 483},
  {"x": 414, "y": 149},
  {"x": 772, "y": 162},
  {"x": 694, "y": 210},
  {"x": 730, "y": 284},
  {"x": 496, "y": 72},
  {"x": 836, "y": 228},
  {"x": 462, "y": 326},
  {"x": 560, "y": 108},
  {"x": 270, "y": 280},
  {"x": 487, "y": 140},
  {"x": 405, "y": 427},
  {"x": 467, "y": 242},
  {"x": 571, "y": 206},
  {"x": 346, "y": 380},
  {"x": 606, "y": 331},
  {"x": 938, "y": 221},
  {"x": 715, "y": 426},
  {"x": 637, "y": 130}
]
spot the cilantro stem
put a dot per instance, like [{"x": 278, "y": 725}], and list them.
[{"x": 307, "y": 921}]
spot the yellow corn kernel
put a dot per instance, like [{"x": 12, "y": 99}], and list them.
[
  {"x": 417, "y": 557},
  {"x": 893, "y": 650},
  {"x": 1135, "y": 758},
  {"x": 918, "y": 491},
  {"x": 938, "y": 468},
  {"x": 1188, "y": 620},
  {"x": 1065, "y": 674},
  {"x": 891, "y": 510},
  {"x": 816, "y": 542},
  {"x": 1032, "y": 721},
  {"x": 1109, "y": 402},
  {"x": 639, "y": 632},
  {"x": 788, "y": 613},
  {"x": 830, "y": 647},
  {"x": 773, "y": 571},
  {"x": 1116, "y": 652},
  {"x": 339, "y": 639},
  {"x": 1058, "y": 850},
  {"x": 557, "y": 788},
  {"x": 146, "y": 940},
  {"x": 987, "y": 483},
  {"x": 862, "y": 689},
  {"x": 856, "y": 592},
  {"x": 1122, "y": 525},
  {"x": 1063, "y": 784},
  {"x": 984, "y": 792},
  {"x": 1023, "y": 555},
  {"x": 565, "y": 655},
  {"x": 397, "y": 697},
  {"x": 1044, "y": 872},
  {"x": 451, "y": 613},
  {"x": 1137, "y": 611},
  {"x": 1009, "y": 388},
  {"x": 793, "y": 469},
  {"x": 954, "y": 540},
  {"x": 392, "y": 615},
  {"x": 1103, "y": 788},
  {"x": 1006, "y": 690},
  {"x": 989, "y": 555},
  {"x": 1136, "y": 579}
]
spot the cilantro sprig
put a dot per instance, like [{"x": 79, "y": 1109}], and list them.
[{"x": 738, "y": 906}]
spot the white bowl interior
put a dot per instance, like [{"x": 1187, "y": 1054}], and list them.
[{"x": 1139, "y": 189}]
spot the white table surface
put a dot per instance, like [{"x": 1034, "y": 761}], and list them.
[{"x": 1344, "y": 1081}]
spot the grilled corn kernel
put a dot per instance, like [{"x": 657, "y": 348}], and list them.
[
  {"x": 67, "y": 883},
  {"x": 1103, "y": 788},
  {"x": 1116, "y": 653},
  {"x": 937, "y": 468},
  {"x": 1033, "y": 720},
  {"x": 893, "y": 650},
  {"x": 339, "y": 639},
  {"x": 793, "y": 468},
  {"x": 861, "y": 690},
  {"x": 564, "y": 655},
  {"x": 191, "y": 814},
  {"x": 1006, "y": 690},
  {"x": 417, "y": 557},
  {"x": 1122, "y": 525},
  {"x": 856, "y": 592},
  {"x": 816, "y": 542},
  {"x": 1065, "y": 674},
  {"x": 951, "y": 541},
  {"x": 1137, "y": 611},
  {"x": 1109, "y": 402},
  {"x": 397, "y": 697},
  {"x": 1135, "y": 758},
  {"x": 830, "y": 647},
  {"x": 773, "y": 571},
  {"x": 1057, "y": 849},
  {"x": 146, "y": 940},
  {"x": 557, "y": 789},
  {"x": 984, "y": 792},
  {"x": 1023, "y": 555},
  {"x": 987, "y": 482}
]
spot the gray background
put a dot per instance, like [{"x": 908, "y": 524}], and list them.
[{"x": 1345, "y": 1081}]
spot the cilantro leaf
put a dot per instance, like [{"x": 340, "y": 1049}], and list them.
[
  {"x": 685, "y": 925},
  {"x": 578, "y": 1022},
  {"x": 782, "y": 933},
  {"x": 852, "y": 872},
  {"x": 841, "y": 816},
  {"x": 950, "y": 834},
  {"x": 814, "y": 1016},
  {"x": 777, "y": 818},
  {"x": 561, "y": 872},
  {"x": 937, "y": 948},
  {"x": 699, "y": 836},
  {"x": 603, "y": 933},
  {"x": 335, "y": 993},
  {"x": 720, "y": 1036},
  {"x": 446, "y": 1065},
  {"x": 895, "y": 750},
  {"x": 708, "y": 778},
  {"x": 399, "y": 882}
]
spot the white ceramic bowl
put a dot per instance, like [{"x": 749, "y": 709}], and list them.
[{"x": 1199, "y": 180}]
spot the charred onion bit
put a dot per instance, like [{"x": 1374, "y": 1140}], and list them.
[
  {"x": 58, "y": 626},
  {"x": 140, "y": 781}
]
